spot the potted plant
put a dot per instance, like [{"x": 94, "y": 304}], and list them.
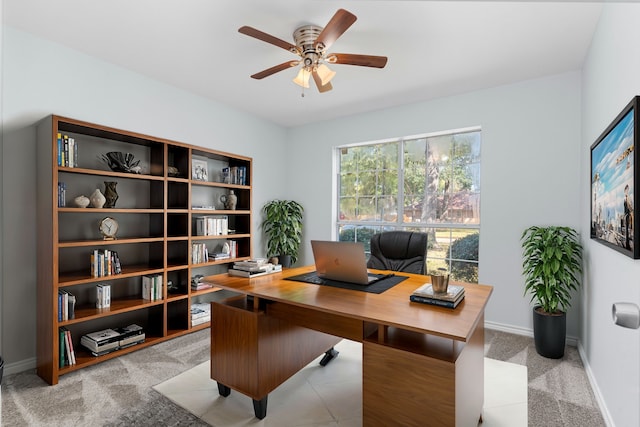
[
  {"x": 282, "y": 225},
  {"x": 552, "y": 267}
]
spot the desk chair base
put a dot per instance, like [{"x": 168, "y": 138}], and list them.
[{"x": 329, "y": 355}]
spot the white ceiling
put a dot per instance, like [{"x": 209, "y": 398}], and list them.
[{"x": 435, "y": 48}]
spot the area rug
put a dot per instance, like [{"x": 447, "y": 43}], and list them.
[{"x": 331, "y": 395}]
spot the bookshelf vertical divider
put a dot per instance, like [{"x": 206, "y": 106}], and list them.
[{"x": 160, "y": 202}]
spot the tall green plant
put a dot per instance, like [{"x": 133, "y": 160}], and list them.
[
  {"x": 552, "y": 265},
  {"x": 282, "y": 225}
]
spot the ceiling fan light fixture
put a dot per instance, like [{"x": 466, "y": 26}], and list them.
[
  {"x": 325, "y": 74},
  {"x": 302, "y": 79}
]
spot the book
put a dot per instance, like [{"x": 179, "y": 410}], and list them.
[
  {"x": 61, "y": 351},
  {"x": 243, "y": 273},
  {"x": 200, "y": 321},
  {"x": 71, "y": 306},
  {"x": 103, "y": 336},
  {"x": 108, "y": 340},
  {"x": 434, "y": 301},
  {"x": 452, "y": 294}
]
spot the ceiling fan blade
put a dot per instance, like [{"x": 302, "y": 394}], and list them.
[
  {"x": 338, "y": 24},
  {"x": 275, "y": 69},
  {"x": 361, "y": 60},
  {"x": 318, "y": 80},
  {"x": 252, "y": 32}
]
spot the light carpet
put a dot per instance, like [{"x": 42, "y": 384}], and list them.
[{"x": 332, "y": 395}]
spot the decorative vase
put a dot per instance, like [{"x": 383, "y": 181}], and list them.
[
  {"x": 229, "y": 201},
  {"x": 285, "y": 260},
  {"x": 81, "y": 201},
  {"x": 110, "y": 194},
  {"x": 549, "y": 333},
  {"x": 97, "y": 199},
  {"x": 232, "y": 200}
]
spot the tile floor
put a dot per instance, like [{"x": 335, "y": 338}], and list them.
[{"x": 332, "y": 396}]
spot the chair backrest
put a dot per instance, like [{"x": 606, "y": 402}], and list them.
[{"x": 399, "y": 251}]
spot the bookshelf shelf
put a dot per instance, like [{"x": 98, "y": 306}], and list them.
[{"x": 156, "y": 217}]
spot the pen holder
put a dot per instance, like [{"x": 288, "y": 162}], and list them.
[{"x": 440, "y": 283}]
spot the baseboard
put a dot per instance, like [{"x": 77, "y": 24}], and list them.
[
  {"x": 594, "y": 386},
  {"x": 572, "y": 341},
  {"x": 20, "y": 366}
]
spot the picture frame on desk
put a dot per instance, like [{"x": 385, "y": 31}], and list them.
[{"x": 199, "y": 170}]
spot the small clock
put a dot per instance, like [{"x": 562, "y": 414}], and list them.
[{"x": 108, "y": 228}]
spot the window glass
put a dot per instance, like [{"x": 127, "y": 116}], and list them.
[{"x": 435, "y": 179}]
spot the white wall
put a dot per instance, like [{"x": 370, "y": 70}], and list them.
[
  {"x": 42, "y": 78},
  {"x": 611, "y": 77},
  {"x": 530, "y": 172}
]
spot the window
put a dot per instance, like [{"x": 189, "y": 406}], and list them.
[{"x": 427, "y": 183}]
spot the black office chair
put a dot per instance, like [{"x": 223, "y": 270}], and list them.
[{"x": 399, "y": 251}]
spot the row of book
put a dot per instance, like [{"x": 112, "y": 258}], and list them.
[
  {"x": 67, "y": 151},
  {"x": 67, "y": 353},
  {"x": 66, "y": 305},
  {"x": 253, "y": 268},
  {"x": 234, "y": 175},
  {"x": 200, "y": 313},
  {"x": 152, "y": 288},
  {"x": 62, "y": 194},
  {"x": 451, "y": 298},
  {"x": 109, "y": 340},
  {"x": 200, "y": 253},
  {"x": 105, "y": 262},
  {"x": 103, "y": 295},
  {"x": 212, "y": 225}
]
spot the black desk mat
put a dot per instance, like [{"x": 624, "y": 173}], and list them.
[{"x": 375, "y": 288}]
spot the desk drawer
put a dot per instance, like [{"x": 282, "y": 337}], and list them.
[{"x": 328, "y": 323}]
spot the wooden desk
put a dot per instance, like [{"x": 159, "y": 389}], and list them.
[{"x": 422, "y": 364}]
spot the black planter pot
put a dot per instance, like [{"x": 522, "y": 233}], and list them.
[
  {"x": 285, "y": 260},
  {"x": 549, "y": 333}
]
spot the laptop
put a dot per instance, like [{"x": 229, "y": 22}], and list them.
[{"x": 342, "y": 261}]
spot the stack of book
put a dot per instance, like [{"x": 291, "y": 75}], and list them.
[
  {"x": 200, "y": 313},
  {"x": 254, "y": 268},
  {"x": 198, "y": 283},
  {"x": 425, "y": 295},
  {"x": 108, "y": 340}
]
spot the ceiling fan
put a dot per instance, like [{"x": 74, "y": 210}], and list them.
[{"x": 311, "y": 45}]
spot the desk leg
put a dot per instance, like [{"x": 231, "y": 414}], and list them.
[
  {"x": 223, "y": 390},
  {"x": 260, "y": 407}
]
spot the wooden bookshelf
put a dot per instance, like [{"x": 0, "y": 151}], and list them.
[{"x": 156, "y": 211}]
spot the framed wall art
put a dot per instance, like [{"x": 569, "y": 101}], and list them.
[
  {"x": 199, "y": 170},
  {"x": 615, "y": 186}
]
